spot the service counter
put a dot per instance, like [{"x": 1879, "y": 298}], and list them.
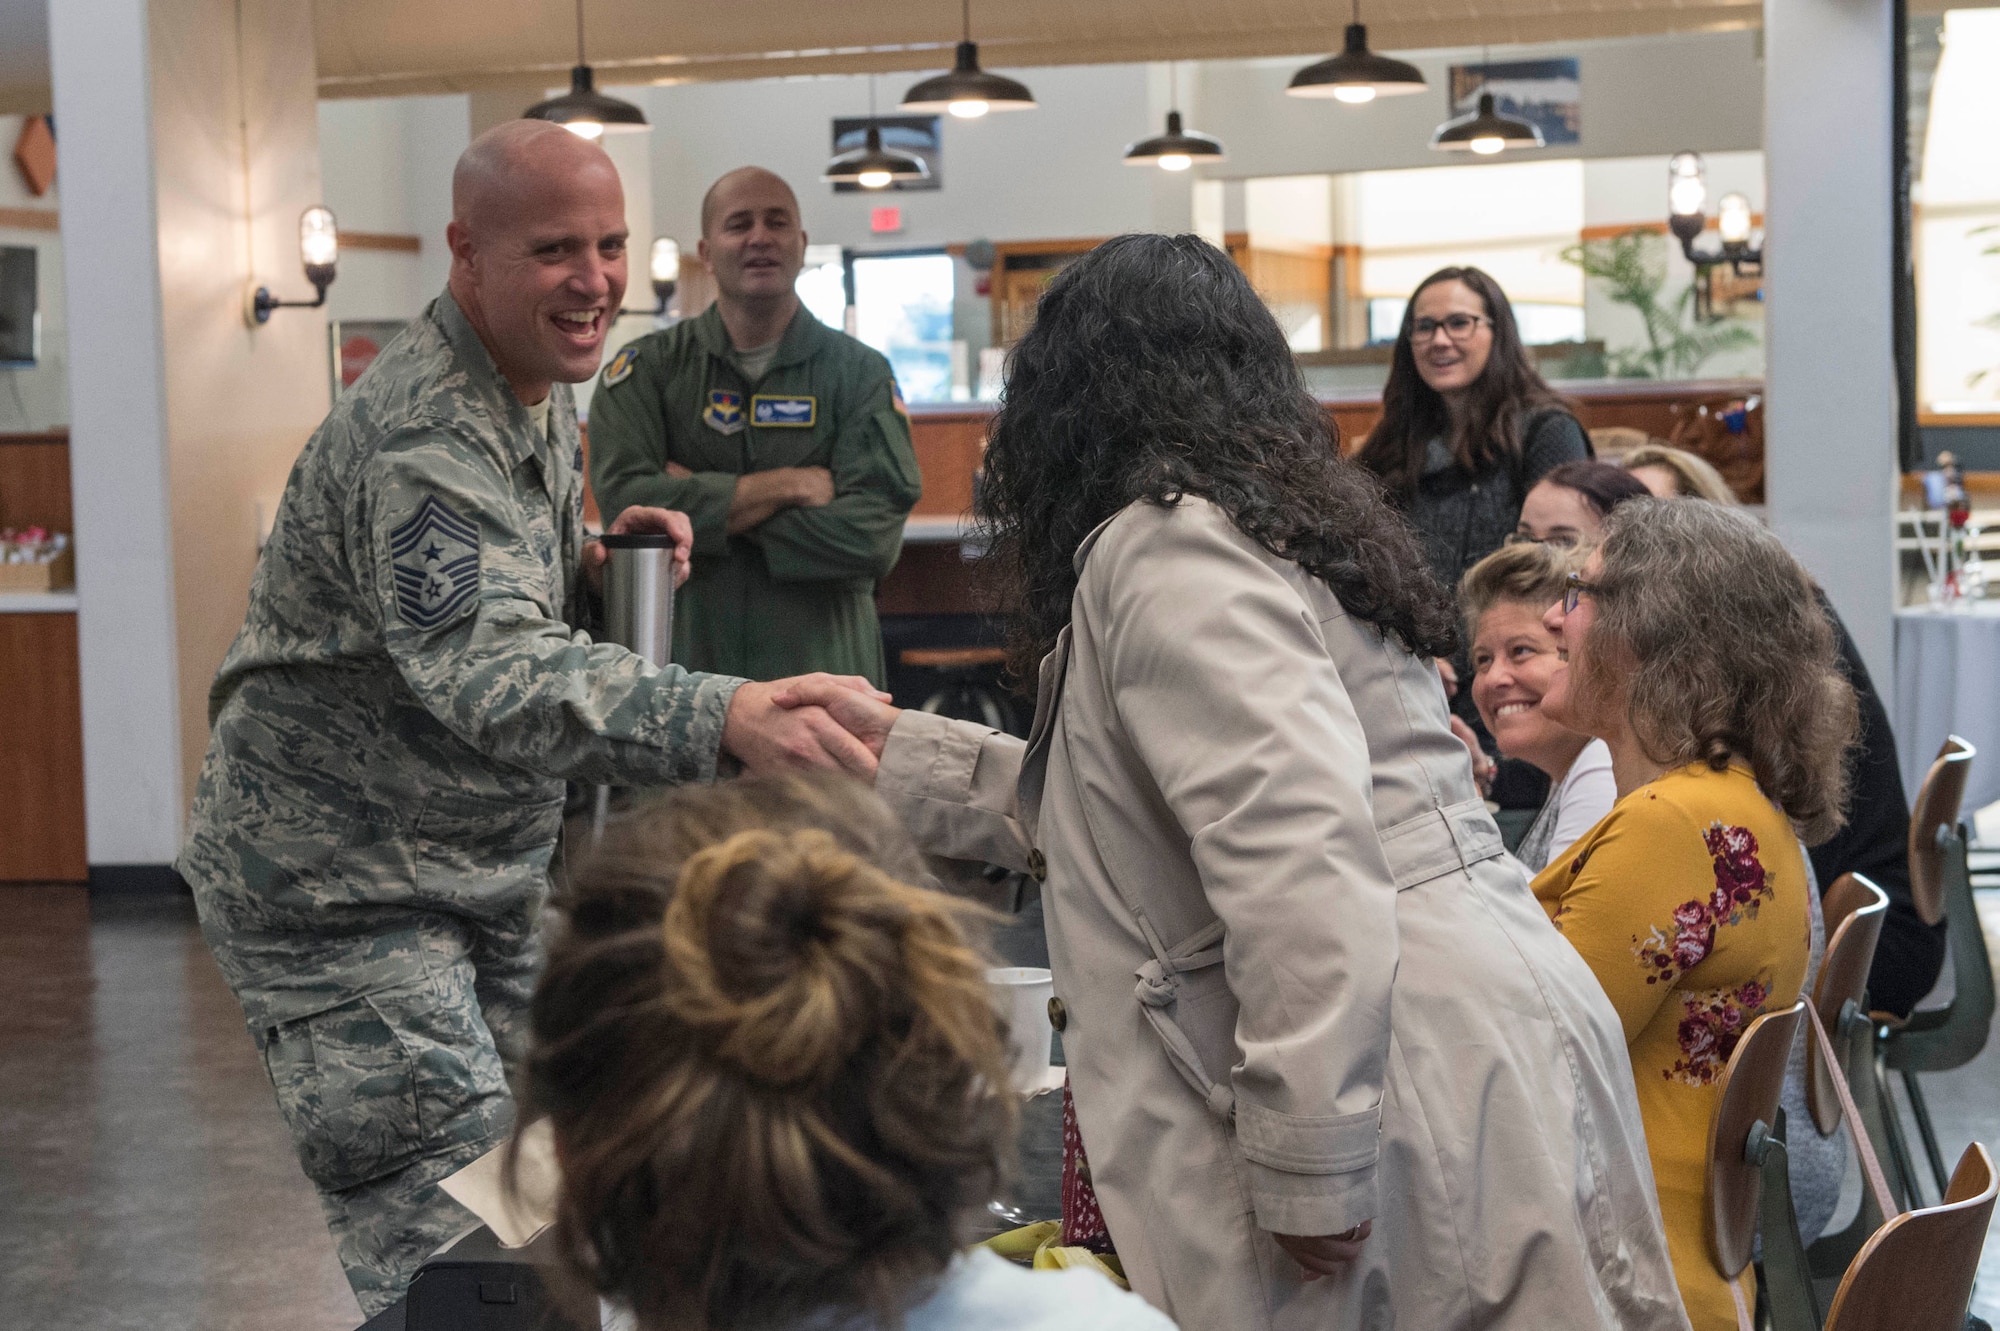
[{"x": 933, "y": 577}]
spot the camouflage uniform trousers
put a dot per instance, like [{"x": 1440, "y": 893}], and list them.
[{"x": 389, "y": 1093}]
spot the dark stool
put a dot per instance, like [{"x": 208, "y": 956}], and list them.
[{"x": 968, "y": 686}]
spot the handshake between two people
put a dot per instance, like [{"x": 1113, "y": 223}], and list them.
[{"x": 838, "y": 722}]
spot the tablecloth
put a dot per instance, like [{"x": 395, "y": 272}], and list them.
[{"x": 1948, "y": 683}]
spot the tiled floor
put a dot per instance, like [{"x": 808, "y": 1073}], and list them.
[{"x": 145, "y": 1178}]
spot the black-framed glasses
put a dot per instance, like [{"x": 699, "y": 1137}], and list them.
[
  {"x": 1457, "y": 327},
  {"x": 1574, "y": 589}
]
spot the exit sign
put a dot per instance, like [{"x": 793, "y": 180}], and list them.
[{"x": 885, "y": 220}]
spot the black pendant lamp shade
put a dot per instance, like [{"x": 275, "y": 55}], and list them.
[
  {"x": 583, "y": 110},
  {"x": 1175, "y": 150},
  {"x": 1486, "y": 132},
  {"x": 872, "y": 166},
  {"x": 583, "y": 107},
  {"x": 968, "y": 91},
  {"x": 1357, "y": 74}
]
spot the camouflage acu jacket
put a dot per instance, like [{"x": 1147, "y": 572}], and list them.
[{"x": 392, "y": 727}]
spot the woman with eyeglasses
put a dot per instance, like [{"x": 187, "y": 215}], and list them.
[
  {"x": 1468, "y": 424},
  {"x": 1694, "y": 648}
]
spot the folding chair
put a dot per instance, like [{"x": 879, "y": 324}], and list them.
[
  {"x": 1916, "y": 1273},
  {"x": 1941, "y": 1039}
]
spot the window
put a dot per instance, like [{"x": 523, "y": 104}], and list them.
[
  {"x": 1958, "y": 226},
  {"x": 822, "y": 285},
  {"x": 902, "y": 308}
]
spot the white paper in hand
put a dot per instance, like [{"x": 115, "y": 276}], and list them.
[{"x": 515, "y": 1215}]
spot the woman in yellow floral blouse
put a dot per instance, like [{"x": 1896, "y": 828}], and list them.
[{"x": 1696, "y": 651}]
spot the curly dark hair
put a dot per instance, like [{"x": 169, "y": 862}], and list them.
[
  {"x": 1154, "y": 371},
  {"x": 1507, "y": 393}
]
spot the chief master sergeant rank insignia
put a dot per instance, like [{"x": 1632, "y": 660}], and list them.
[{"x": 435, "y": 559}]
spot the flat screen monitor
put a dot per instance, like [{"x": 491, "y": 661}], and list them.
[{"x": 20, "y": 310}]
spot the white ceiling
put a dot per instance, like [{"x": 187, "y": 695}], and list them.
[
  {"x": 373, "y": 48},
  {"x": 380, "y": 47}
]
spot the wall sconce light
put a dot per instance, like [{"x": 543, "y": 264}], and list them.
[
  {"x": 319, "y": 251},
  {"x": 1687, "y": 199},
  {"x": 663, "y": 266}
]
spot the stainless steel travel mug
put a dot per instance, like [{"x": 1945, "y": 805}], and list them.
[{"x": 639, "y": 594}]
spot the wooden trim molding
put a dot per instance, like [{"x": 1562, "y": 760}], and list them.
[
  {"x": 31, "y": 219},
  {"x": 386, "y": 241}
]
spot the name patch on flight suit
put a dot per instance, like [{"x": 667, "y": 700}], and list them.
[
  {"x": 724, "y": 412},
  {"x": 621, "y": 365},
  {"x": 434, "y": 557},
  {"x": 797, "y": 412}
]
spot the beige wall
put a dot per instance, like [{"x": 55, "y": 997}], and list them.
[{"x": 236, "y": 160}]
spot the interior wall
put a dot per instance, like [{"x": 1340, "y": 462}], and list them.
[
  {"x": 236, "y": 160},
  {"x": 101, "y": 59},
  {"x": 386, "y": 168}
]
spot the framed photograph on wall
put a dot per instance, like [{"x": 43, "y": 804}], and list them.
[
  {"x": 919, "y": 136},
  {"x": 353, "y": 345},
  {"x": 1548, "y": 93}
]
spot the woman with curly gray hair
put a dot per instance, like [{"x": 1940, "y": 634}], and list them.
[{"x": 1695, "y": 649}]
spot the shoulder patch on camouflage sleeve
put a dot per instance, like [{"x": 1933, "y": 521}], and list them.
[{"x": 435, "y": 559}]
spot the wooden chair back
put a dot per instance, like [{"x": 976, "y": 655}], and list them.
[
  {"x": 1750, "y": 1086},
  {"x": 1938, "y": 801},
  {"x": 1915, "y": 1273},
  {"x": 1855, "y": 909}
]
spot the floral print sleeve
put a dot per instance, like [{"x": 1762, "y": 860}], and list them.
[{"x": 1646, "y": 895}]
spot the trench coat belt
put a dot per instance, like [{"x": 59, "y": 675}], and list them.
[{"x": 1434, "y": 843}]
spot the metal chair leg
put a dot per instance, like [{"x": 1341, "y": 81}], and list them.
[
  {"x": 1922, "y": 1113},
  {"x": 1786, "y": 1289},
  {"x": 1904, "y": 1184}
]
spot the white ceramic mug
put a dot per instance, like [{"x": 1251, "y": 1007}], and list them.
[{"x": 1021, "y": 995}]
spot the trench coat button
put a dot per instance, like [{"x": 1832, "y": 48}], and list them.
[
  {"x": 1038, "y": 868},
  {"x": 1058, "y": 1014}
]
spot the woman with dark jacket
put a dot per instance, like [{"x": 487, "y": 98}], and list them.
[{"x": 1468, "y": 425}]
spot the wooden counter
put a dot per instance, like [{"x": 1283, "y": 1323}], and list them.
[
  {"x": 933, "y": 577},
  {"x": 41, "y": 710}
]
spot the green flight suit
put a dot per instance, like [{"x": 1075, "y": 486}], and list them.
[{"x": 797, "y": 592}]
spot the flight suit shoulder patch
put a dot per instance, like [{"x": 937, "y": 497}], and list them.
[{"x": 620, "y": 368}]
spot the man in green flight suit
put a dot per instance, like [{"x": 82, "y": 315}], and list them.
[{"x": 785, "y": 442}]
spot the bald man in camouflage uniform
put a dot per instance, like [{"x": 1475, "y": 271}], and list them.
[{"x": 373, "y": 830}]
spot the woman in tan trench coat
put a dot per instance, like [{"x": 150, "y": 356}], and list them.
[{"x": 1332, "y": 1065}]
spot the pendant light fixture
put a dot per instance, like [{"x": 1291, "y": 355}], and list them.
[
  {"x": 1486, "y": 131},
  {"x": 872, "y": 166},
  {"x": 583, "y": 110},
  {"x": 1177, "y": 149},
  {"x": 968, "y": 91},
  {"x": 1357, "y": 74}
]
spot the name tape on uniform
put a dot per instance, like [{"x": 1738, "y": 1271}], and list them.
[{"x": 791, "y": 412}]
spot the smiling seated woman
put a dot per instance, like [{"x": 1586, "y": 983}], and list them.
[
  {"x": 1504, "y": 597},
  {"x": 1695, "y": 649}
]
